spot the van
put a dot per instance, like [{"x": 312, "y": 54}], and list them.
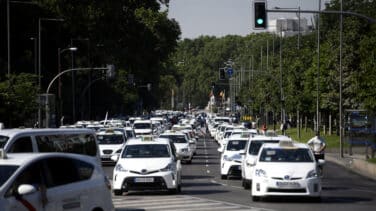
[{"x": 71, "y": 140}]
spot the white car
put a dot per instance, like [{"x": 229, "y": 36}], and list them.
[
  {"x": 143, "y": 127},
  {"x": 286, "y": 169},
  {"x": 147, "y": 164},
  {"x": 52, "y": 181},
  {"x": 182, "y": 144},
  {"x": 110, "y": 142},
  {"x": 252, "y": 149},
  {"x": 231, "y": 157}
]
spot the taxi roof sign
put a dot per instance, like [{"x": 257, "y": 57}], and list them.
[
  {"x": 286, "y": 144},
  {"x": 146, "y": 138}
]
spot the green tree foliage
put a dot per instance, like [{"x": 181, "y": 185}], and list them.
[
  {"x": 258, "y": 63},
  {"x": 18, "y": 99}
]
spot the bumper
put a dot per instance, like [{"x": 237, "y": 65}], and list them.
[
  {"x": 157, "y": 181},
  {"x": 271, "y": 187}
]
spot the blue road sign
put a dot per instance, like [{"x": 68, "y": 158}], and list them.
[{"x": 230, "y": 71}]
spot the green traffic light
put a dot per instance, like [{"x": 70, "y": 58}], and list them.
[{"x": 260, "y": 21}]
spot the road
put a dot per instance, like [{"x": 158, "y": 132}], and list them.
[{"x": 203, "y": 189}]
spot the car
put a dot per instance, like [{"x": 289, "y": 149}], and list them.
[
  {"x": 254, "y": 144},
  {"x": 77, "y": 140},
  {"x": 231, "y": 157},
  {"x": 183, "y": 148},
  {"x": 286, "y": 169},
  {"x": 147, "y": 163},
  {"x": 143, "y": 127},
  {"x": 110, "y": 142},
  {"x": 52, "y": 181}
]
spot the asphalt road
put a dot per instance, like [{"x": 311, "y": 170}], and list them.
[{"x": 342, "y": 189}]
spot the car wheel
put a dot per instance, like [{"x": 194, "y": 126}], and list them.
[
  {"x": 256, "y": 198},
  {"x": 223, "y": 176},
  {"x": 246, "y": 184},
  {"x": 179, "y": 189},
  {"x": 118, "y": 192},
  {"x": 189, "y": 161}
]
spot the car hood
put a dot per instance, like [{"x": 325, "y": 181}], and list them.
[
  {"x": 148, "y": 164},
  {"x": 290, "y": 170}
]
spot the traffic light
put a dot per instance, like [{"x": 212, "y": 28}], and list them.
[
  {"x": 260, "y": 20},
  {"x": 222, "y": 74}
]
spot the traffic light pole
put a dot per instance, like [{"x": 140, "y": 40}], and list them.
[{"x": 371, "y": 20}]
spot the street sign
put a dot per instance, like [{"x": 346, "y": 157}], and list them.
[{"x": 230, "y": 71}]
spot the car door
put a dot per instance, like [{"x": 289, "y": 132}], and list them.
[
  {"x": 63, "y": 191},
  {"x": 30, "y": 175}
]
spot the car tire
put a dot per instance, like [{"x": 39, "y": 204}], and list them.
[
  {"x": 118, "y": 192},
  {"x": 256, "y": 198},
  {"x": 223, "y": 176},
  {"x": 189, "y": 161},
  {"x": 245, "y": 184}
]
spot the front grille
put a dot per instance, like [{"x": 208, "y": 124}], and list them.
[
  {"x": 107, "y": 151},
  {"x": 278, "y": 190},
  {"x": 144, "y": 173},
  {"x": 158, "y": 184},
  {"x": 293, "y": 178}
]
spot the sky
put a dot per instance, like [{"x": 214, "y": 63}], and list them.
[{"x": 223, "y": 17}]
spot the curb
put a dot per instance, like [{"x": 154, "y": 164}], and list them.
[{"x": 359, "y": 166}]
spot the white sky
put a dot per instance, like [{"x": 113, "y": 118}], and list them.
[{"x": 222, "y": 17}]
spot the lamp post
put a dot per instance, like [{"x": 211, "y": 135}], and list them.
[
  {"x": 74, "y": 77},
  {"x": 40, "y": 63},
  {"x": 59, "y": 52}
]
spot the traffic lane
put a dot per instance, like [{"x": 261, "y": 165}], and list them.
[{"x": 341, "y": 189}]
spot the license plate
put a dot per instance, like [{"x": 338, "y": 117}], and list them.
[
  {"x": 143, "y": 179},
  {"x": 288, "y": 184}
]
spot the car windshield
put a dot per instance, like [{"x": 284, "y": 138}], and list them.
[
  {"x": 176, "y": 139},
  {"x": 110, "y": 139},
  {"x": 255, "y": 146},
  {"x": 294, "y": 155},
  {"x": 142, "y": 126},
  {"x": 6, "y": 172},
  {"x": 146, "y": 151},
  {"x": 236, "y": 145},
  {"x": 3, "y": 141}
]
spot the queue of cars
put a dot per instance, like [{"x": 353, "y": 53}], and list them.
[{"x": 267, "y": 163}]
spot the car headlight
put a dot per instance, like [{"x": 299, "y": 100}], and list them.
[
  {"x": 118, "y": 151},
  {"x": 227, "y": 158},
  {"x": 312, "y": 174},
  {"x": 260, "y": 173},
  {"x": 169, "y": 167},
  {"x": 119, "y": 167}
]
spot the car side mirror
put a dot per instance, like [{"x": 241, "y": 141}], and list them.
[
  {"x": 25, "y": 189},
  {"x": 115, "y": 158},
  {"x": 251, "y": 162}
]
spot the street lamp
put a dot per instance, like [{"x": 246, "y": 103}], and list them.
[
  {"x": 59, "y": 52},
  {"x": 39, "y": 62}
]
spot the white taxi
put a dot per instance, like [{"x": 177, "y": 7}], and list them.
[
  {"x": 184, "y": 147},
  {"x": 231, "y": 157},
  {"x": 286, "y": 169},
  {"x": 52, "y": 181},
  {"x": 147, "y": 163},
  {"x": 254, "y": 144},
  {"x": 110, "y": 142}
]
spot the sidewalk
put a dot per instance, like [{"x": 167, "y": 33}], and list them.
[{"x": 356, "y": 163}]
